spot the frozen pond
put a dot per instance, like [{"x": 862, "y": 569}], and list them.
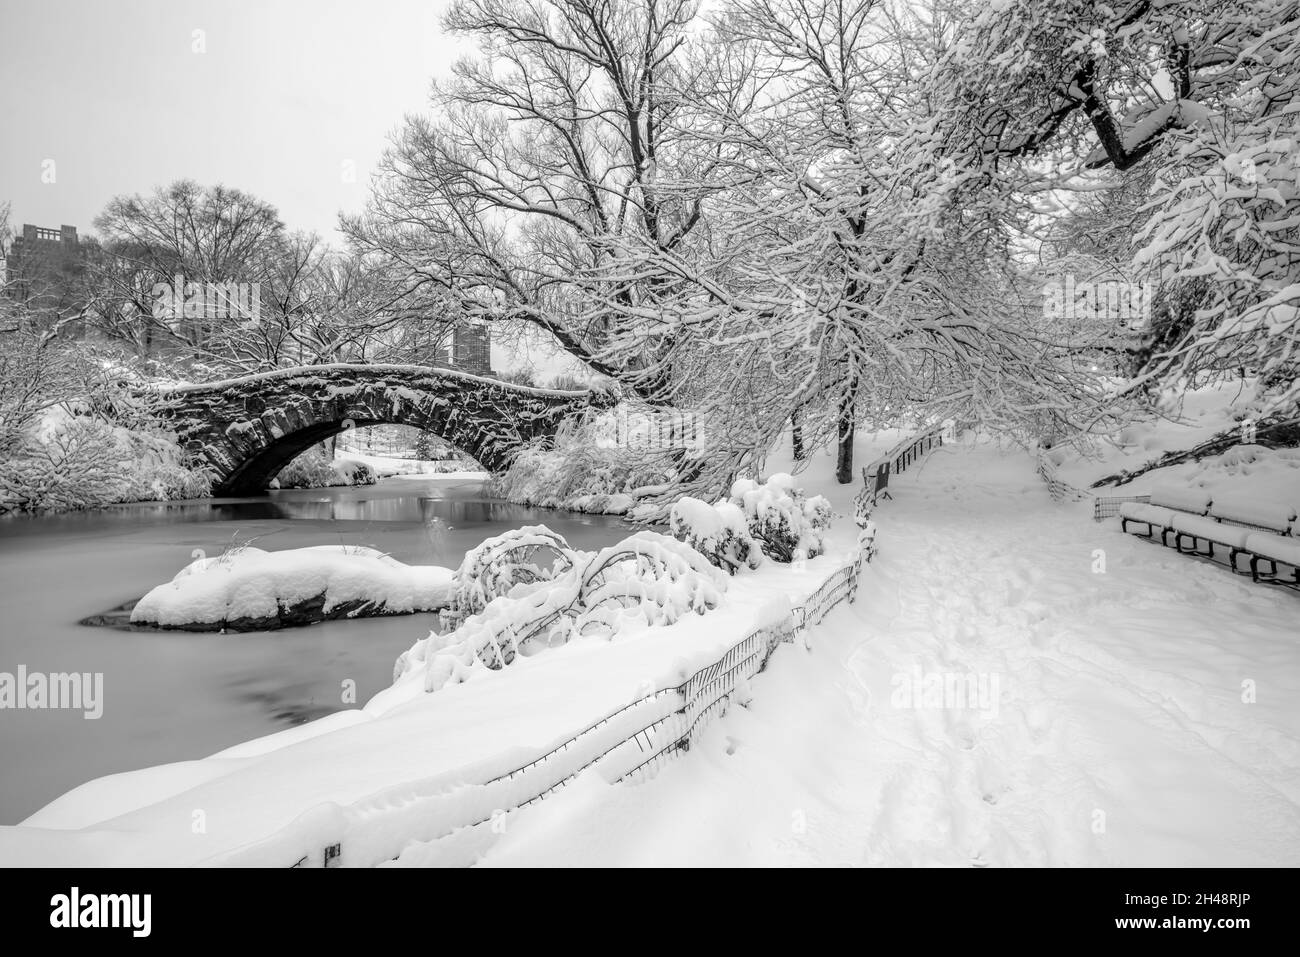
[{"x": 172, "y": 696}]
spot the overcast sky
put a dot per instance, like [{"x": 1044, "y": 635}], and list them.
[
  {"x": 274, "y": 97},
  {"x": 283, "y": 94}
]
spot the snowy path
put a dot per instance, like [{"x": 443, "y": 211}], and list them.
[{"x": 1120, "y": 733}]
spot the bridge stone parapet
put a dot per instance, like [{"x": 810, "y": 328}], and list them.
[{"x": 246, "y": 429}]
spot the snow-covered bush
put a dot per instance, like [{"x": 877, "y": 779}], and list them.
[
  {"x": 157, "y": 469},
  {"x": 718, "y": 532},
  {"x": 580, "y": 471},
  {"x": 493, "y": 637},
  {"x": 520, "y": 556},
  {"x": 315, "y": 469},
  {"x": 73, "y": 433},
  {"x": 75, "y": 462},
  {"x": 312, "y": 469},
  {"x": 72, "y": 465},
  {"x": 646, "y": 579},
  {"x": 787, "y": 525},
  {"x": 353, "y": 472}
]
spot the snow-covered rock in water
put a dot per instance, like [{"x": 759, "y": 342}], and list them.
[
  {"x": 249, "y": 589},
  {"x": 718, "y": 532}
]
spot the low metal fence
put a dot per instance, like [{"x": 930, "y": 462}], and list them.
[
  {"x": 875, "y": 475},
  {"x": 629, "y": 744},
  {"x": 1059, "y": 489}
]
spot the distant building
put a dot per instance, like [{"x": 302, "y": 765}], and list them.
[
  {"x": 44, "y": 269},
  {"x": 470, "y": 349}
]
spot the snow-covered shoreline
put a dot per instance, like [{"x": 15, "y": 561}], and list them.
[{"x": 500, "y": 719}]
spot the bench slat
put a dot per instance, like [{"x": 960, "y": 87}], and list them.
[
  {"x": 1183, "y": 499},
  {"x": 1280, "y": 548},
  {"x": 1271, "y": 514}
]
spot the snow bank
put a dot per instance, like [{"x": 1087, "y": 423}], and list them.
[
  {"x": 385, "y": 466},
  {"x": 402, "y": 777},
  {"x": 1179, "y": 421},
  {"x": 1243, "y": 473},
  {"x": 1123, "y": 731}
]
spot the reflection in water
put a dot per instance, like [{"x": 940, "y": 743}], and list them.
[{"x": 392, "y": 501}]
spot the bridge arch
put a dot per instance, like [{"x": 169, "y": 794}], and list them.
[{"x": 246, "y": 429}]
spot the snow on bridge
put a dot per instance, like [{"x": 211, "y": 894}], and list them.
[{"x": 246, "y": 429}]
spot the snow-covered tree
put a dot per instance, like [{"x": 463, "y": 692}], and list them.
[
  {"x": 541, "y": 152},
  {"x": 854, "y": 270},
  {"x": 1196, "y": 96}
]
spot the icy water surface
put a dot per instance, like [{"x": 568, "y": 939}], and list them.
[{"x": 173, "y": 696}]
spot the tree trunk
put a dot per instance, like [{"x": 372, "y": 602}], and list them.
[
  {"x": 796, "y": 434},
  {"x": 844, "y": 459}
]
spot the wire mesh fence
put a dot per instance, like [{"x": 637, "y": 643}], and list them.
[{"x": 1107, "y": 506}]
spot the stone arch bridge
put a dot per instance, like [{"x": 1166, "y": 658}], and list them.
[{"x": 247, "y": 429}]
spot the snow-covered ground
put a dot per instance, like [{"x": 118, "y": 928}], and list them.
[
  {"x": 1147, "y": 714},
  {"x": 1245, "y": 470},
  {"x": 1016, "y": 685},
  {"x": 1190, "y": 418},
  {"x": 384, "y": 465},
  {"x": 400, "y": 747}
]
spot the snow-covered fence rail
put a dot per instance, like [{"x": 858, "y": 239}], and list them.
[
  {"x": 911, "y": 450},
  {"x": 706, "y": 695},
  {"x": 1103, "y": 506},
  {"x": 875, "y": 475},
  {"x": 841, "y": 586},
  {"x": 444, "y": 819},
  {"x": 1059, "y": 489}
]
